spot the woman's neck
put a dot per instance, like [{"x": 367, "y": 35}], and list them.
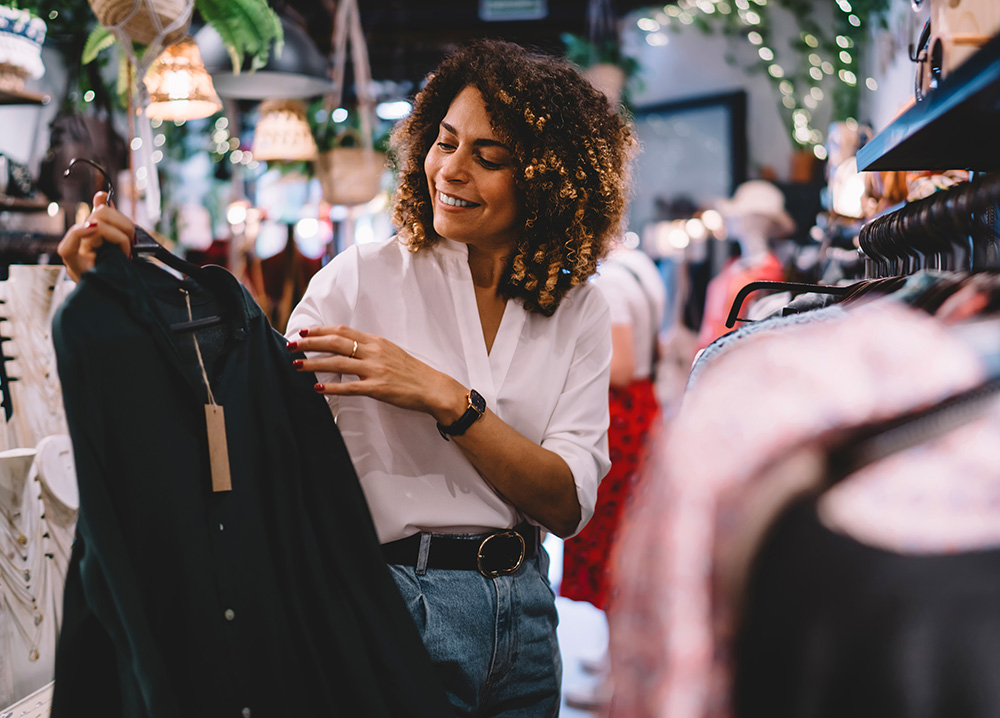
[{"x": 487, "y": 267}]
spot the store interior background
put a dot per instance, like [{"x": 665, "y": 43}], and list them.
[{"x": 405, "y": 39}]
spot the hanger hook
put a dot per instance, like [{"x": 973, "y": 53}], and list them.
[{"x": 104, "y": 174}]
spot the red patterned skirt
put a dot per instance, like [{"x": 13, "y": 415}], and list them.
[{"x": 634, "y": 411}]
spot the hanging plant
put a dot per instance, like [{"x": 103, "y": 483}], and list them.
[
  {"x": 823, "y": 51},
  {"x": 247, "y": 28}
]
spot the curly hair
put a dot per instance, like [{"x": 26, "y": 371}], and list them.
[{"x": 571, "y": 154}]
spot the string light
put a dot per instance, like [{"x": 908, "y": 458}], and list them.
[{"x": 817, "y": 69}]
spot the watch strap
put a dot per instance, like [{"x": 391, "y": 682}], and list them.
[{"x": 475, "y": 409}]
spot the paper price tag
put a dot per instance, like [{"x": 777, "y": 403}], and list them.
[{"x": 218, "y": 448}]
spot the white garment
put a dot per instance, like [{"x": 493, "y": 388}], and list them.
[
  {"x": 640, "y": 306},
  {"x": 547, "y": 377}
]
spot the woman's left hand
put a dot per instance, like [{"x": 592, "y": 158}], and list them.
[{"x": 384, "y": 370}]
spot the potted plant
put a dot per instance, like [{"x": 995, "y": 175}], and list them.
[
  {"x": 21, "y": 36},
  {"x": 350, "y": 166},
  {"x": 602, "y": 62}
]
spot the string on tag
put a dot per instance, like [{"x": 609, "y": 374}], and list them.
[{"x": 215, "y": 422}]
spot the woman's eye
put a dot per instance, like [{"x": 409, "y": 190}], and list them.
[
  {"x": 489, "y": 165},
  {"x": 445, "y": 146}
]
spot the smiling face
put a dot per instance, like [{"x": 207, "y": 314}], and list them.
[{"x": 470, "y": 175}]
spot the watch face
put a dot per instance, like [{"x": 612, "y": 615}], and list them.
[{"x": 477, "y": 401}]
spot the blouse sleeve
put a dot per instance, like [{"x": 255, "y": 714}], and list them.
[
  {"x": 330, "y": 300},
  {"x": 331, "y": 296},
  {"x": 578, "y": 429}
]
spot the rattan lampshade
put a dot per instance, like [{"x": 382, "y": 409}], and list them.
[
  {"x": 178, "y": 85},
  {"x": 282, "y": 132}
]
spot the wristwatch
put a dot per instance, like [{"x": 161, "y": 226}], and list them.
[{"x": 477, "y": 407}]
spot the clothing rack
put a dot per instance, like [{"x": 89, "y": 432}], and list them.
[{"x": 953, "y": 229}]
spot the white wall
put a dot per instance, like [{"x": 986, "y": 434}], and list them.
[
  {"x": 888, "y": 62},
  {"x": 693, "y": 64}
]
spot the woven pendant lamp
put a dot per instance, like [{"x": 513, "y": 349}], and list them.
[
  {"x": 178, "y": 85},
  {"x": 282, "y": 132},
  {"x": 144, "y": 21}
]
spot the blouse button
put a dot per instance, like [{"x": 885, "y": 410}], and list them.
[{"x": 230, "y": 614}]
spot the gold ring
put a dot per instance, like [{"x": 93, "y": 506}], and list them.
[{"x": 355, "y": 349}]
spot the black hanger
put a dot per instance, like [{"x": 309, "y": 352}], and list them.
[
  {"x": 875, "y": 441},
  {"x": 144, "y": 245},
  {"x": 784, "y": 286}
]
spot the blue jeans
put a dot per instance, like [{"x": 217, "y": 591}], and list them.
[{"x": 493, "y": 641}]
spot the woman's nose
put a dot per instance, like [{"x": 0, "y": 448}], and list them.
[{"x": 454, "y": 168}]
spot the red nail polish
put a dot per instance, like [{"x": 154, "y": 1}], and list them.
[
  {"x": 90, "y": 225},
  {"x": 297, "y": 363},
  {"x": 292, "y": 346},
  {"x": 318, "y": 387},
  {"x": 303, "y": 332}
]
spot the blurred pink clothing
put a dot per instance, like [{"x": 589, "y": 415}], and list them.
[{"x": 708, "y": 484}]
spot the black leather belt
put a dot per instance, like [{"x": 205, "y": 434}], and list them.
[{"x": 493, "y": 554}]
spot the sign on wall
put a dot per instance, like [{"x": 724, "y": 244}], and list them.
[{"x": 505, "y": 10}]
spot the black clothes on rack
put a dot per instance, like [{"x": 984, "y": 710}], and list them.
[
  {"x": 864, "y": 632},
  {"x": 271, "y": 599}
]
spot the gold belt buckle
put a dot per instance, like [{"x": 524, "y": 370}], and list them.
[{"x": 502, "y": 571}]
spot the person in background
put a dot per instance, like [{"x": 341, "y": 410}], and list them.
[
  {"x": 467, "y": 359},
  {"x": 754, "y": 216},
  {"x": 636, "y": 295}
]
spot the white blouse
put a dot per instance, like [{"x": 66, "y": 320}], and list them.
[{"x": 547, "y": 377}]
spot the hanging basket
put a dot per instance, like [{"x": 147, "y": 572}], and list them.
[
  {"x": 350, "y": 175},
  {"x": 145, "y": 18}
]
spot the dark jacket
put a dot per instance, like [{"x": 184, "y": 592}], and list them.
[{"x": 268, "y": 600}]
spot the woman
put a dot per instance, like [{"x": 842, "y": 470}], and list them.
[{"x": 467, "y": 359}]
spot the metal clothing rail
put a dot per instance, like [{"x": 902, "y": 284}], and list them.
[{"x": 954, "y": 229}]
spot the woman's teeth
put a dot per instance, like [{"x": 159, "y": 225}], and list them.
[{"x": 454, "y": 201}]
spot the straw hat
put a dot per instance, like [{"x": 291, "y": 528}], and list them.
[{"x": 761, "y": 198}]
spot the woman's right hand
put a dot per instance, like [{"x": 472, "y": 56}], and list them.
[{"x": 78, "y": 247}]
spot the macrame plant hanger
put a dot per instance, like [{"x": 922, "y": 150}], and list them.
[
  {"x": 366, "y": 165},
  {"x": 142, "y": 23}
]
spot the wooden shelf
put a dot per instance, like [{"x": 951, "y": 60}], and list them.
[
  {"x": 955, "y": 127},
  {"x": 24, "y": 97},
  {"x": 16, "y": 204}
]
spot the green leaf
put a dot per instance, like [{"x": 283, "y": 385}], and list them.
[{"x": 99, "y": 39}]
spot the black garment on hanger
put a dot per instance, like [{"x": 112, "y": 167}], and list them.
[
  {"x": 271, "y": 599},
  {"x": 835, "y": 628}
]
